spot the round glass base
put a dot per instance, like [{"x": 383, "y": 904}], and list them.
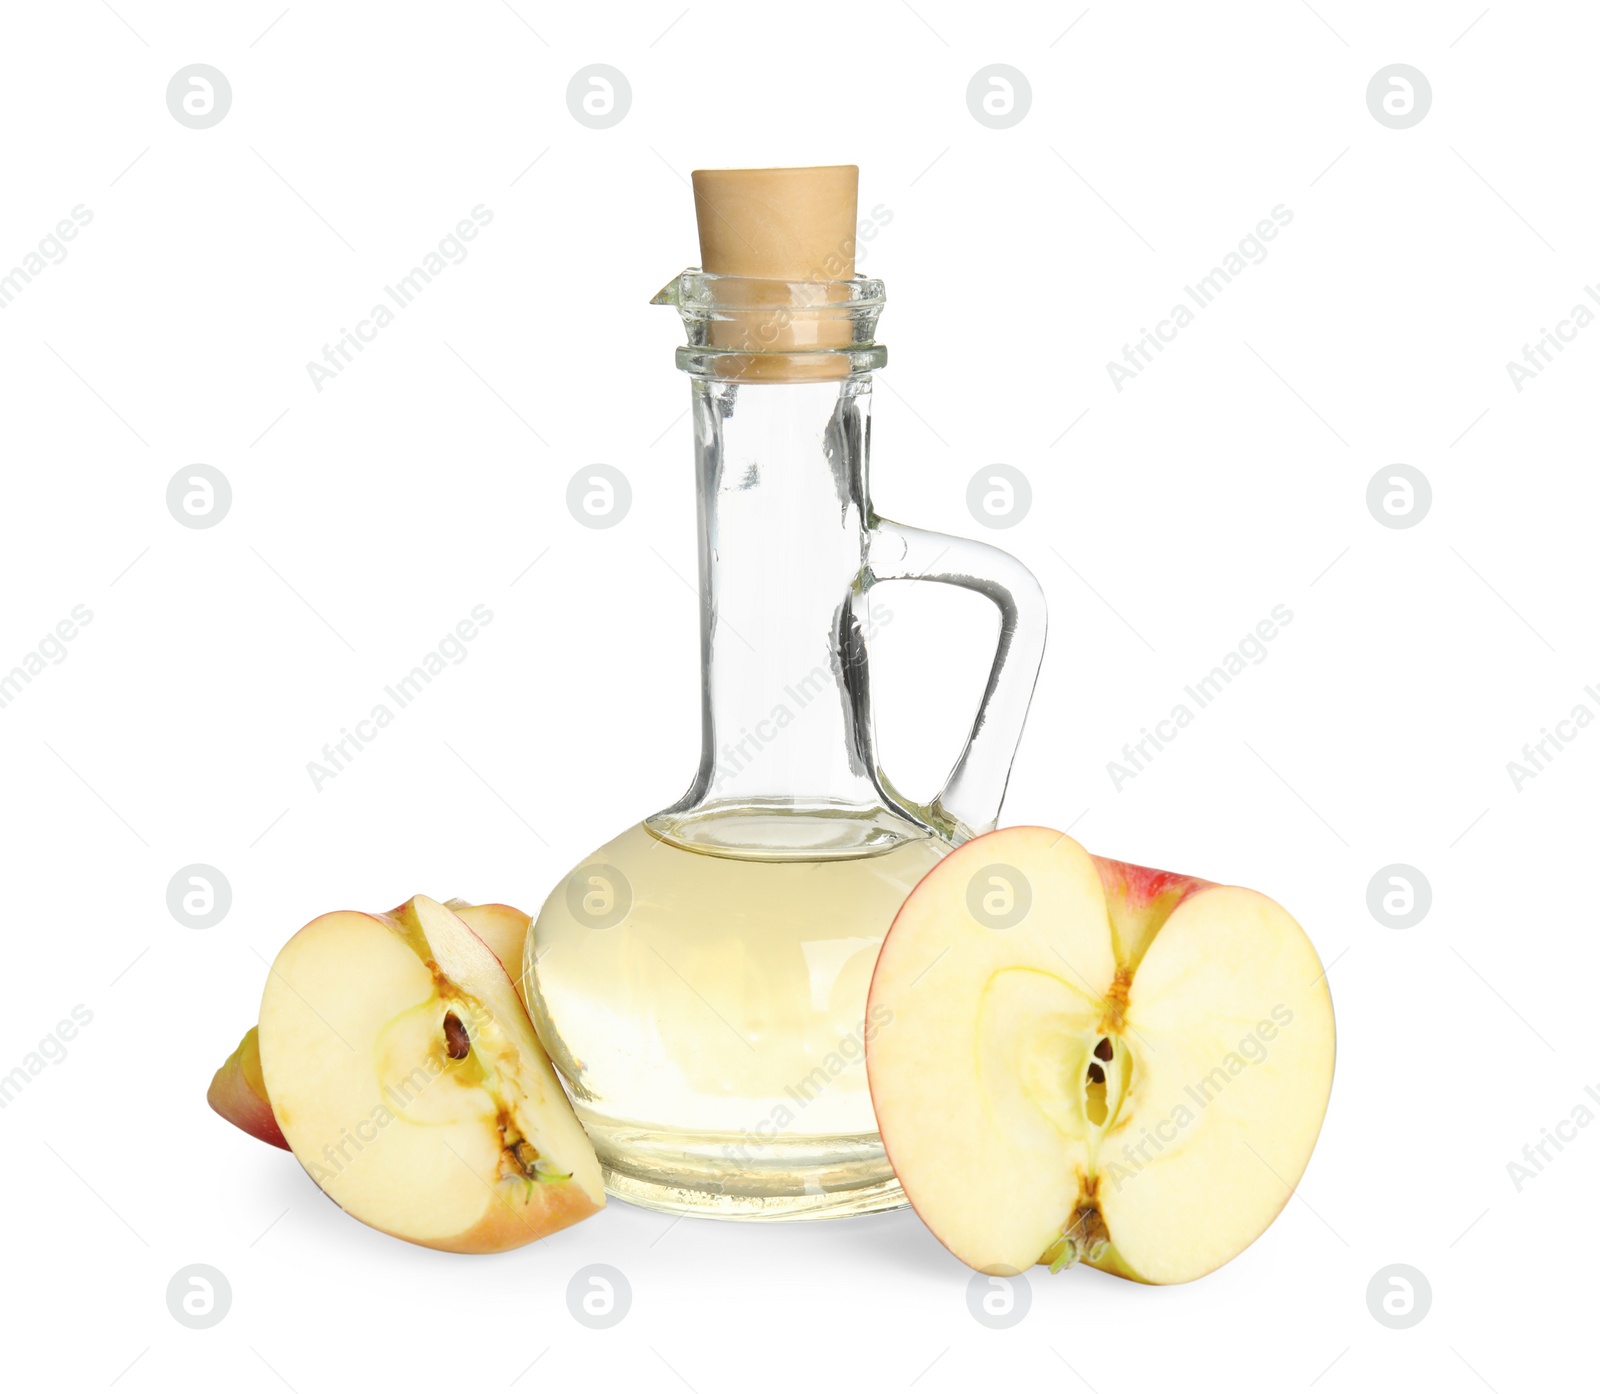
[{"x": 732, "y": 1177}]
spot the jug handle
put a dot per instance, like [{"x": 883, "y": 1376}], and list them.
[{"x": 969, "y": 803}]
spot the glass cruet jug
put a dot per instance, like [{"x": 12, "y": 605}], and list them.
[{"x": 701, "y": 981}]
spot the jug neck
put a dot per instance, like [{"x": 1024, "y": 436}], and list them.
[{"x": 781, "y": 471}]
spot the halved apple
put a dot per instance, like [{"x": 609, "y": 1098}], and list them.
[
  {"x": 407, "y": 1080},
  {"x": 1076, "y": 1058}
]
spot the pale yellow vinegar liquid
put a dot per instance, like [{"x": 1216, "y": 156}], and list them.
[{"x": 713, "y": 1037}]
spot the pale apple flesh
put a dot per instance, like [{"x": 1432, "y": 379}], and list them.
[
  {"x": 238, "y": 1093},
  {"x": 407, "y": 1080},
  {"x": 1132, "y": 1075}
]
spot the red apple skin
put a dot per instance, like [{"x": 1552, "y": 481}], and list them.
[
  {"x": 1139, "y": 900},
  {"x": 1138, "y": 887},
  {"x": 238, "y": 1093}
]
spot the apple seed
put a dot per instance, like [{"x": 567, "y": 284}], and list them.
[{"x": 457, "y": 1043}]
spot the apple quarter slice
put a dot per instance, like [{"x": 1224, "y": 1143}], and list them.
[
  {"x": 1076, "y": 1058},
  {"x": 408, "y": 1081},
  {"x": 239, "y": 1093}
]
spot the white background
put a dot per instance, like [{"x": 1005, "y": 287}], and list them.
[{"x": 430, "y": 476}]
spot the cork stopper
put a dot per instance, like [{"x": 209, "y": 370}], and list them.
[
  {"x": 778, "y": 224},
  {"x": 789, "y": 235}
]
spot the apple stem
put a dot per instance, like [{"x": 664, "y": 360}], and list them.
[
  {"x": 1064, "y": 1252},
  {"x": 1095, "y": 1239}
]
